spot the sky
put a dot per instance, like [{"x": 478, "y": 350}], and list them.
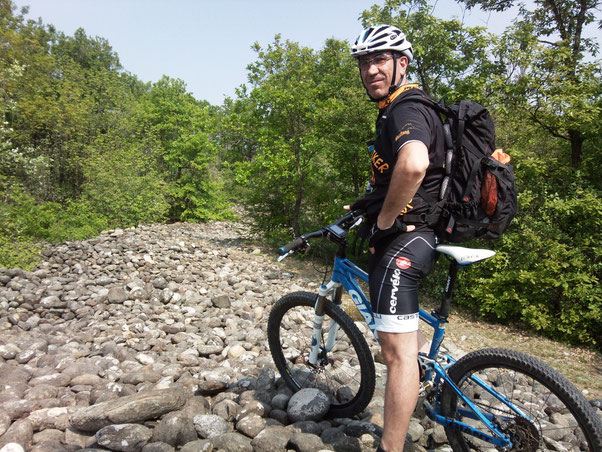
[{"x": 207, "y": 44}]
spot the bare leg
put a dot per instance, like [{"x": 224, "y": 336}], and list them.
[
  {"x": 400, "y": 352},
  {"x": 424, "y": 344}
]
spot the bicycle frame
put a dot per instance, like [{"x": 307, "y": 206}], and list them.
[{"x": 346, "y": 275}]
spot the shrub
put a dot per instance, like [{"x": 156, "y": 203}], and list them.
[{"x": 548, "y": 267}]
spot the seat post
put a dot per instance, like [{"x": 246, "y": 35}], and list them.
[{"x": 442, "y": 312}]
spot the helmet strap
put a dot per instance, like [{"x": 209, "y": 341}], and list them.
[{"x": 394, "y": 85}]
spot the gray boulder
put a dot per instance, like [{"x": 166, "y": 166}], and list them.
[
  {"x": 175, "y": 429},
  {"x": 210, "y": 426},
  {"x": 308, "y": 405},
  {"x": 306, "y": 442},
  {"x": 158, "y": 447},
  {"x": 20, "y": 432},
  {"x": 124, "y": 437},
  {"x": 200, "y": 445},
  {"x": 135, "y": 408},
  {"x": 251, "y": 425},
  {"x": 272, "y": 439},
  {"x": 232, "y": 442},
  {"x": 221, "y": 301}
]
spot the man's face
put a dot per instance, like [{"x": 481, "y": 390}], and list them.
[{"x": 376, "y": 70}]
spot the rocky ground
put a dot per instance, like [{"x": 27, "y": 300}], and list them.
[{"x": 154, "y": 339}]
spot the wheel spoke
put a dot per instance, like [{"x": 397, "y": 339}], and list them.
[{"x": 345, "y": 374}]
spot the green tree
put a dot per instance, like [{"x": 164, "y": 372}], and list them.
[
  {"x": 547, "y": 271},
  {"x": 345, "y": 125},
  {"x": 123, "y": 183},
  {"x": 277, "y": 163},
  {"x": 186, "y": 155},
  {"x": 550, "y": 72}
]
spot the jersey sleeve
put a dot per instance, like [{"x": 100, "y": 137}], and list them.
[{"x": 409, "y": 123}]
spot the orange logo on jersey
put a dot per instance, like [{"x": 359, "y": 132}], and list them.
[
  {"x": 407, "y": 208},
  {"x": 379, "y": 163},
  {"x": 402, "y": 133}
]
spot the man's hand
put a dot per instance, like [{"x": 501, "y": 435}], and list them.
[
  {"x": 377, "y": 233},
  {"x": 406, "y": 228}
]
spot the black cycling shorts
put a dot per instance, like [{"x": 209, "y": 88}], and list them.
[{"x": 395, "y": 271}]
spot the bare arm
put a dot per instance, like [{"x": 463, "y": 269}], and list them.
[{"x": 410, "y": 168}]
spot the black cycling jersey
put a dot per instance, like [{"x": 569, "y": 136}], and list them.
[{"x": 397, "y": 125}]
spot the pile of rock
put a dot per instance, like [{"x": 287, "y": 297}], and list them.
[{"x": 154, "y": 339}]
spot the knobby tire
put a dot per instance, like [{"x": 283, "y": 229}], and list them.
[
  {"x": 346, "y": 374},
  {"x": 559, "y": 416}
]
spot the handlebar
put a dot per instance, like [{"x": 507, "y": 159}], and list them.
[
  {"x": 336, "y": 230},
  {"x": 291, "y": 246}
]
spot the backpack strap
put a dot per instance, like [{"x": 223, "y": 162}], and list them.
[
  {"x": 429, "y": 218},
  {"x": 460, "y": 127},
  {"x": 423, "y": 98}
]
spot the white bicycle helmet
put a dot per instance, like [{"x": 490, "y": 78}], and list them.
[{"x": 382, "y": 37}]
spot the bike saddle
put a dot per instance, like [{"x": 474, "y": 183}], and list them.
[{"x": 465, "y": 256}]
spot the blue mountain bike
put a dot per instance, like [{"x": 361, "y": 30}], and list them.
[{"x": 490, "y": 399}]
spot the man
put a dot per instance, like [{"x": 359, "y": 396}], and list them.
[{"x": 408, "y": 154}]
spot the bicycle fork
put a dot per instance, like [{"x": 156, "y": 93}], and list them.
[{"x": 333, "y": 327}]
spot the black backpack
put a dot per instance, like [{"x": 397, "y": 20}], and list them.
[{"x": 478, "y": 195}]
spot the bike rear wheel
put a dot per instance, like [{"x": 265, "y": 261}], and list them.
[
  {"x": 555, "y": 415},
  {"x": 346, "y": 373}
]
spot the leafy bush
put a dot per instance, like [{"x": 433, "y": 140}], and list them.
[
  {"x": 123, "y": 185},
  {"x": 548, "y": 267},
  {"x": 24, "y": 223},
  {"x": 16, "y": 252},
  {"x": 75, "y": 221}
]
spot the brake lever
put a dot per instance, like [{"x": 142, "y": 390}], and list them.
[
  {"x": 357, "y": 223},
  {"x": 281, "y": 258}
]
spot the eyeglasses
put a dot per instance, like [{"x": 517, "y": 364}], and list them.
[{"x": 378, "y": 60}]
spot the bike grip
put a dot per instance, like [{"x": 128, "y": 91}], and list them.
[{"x": 290, "y": 246}]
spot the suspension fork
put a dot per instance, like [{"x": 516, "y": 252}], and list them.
[{"x": 319, "y": 310}]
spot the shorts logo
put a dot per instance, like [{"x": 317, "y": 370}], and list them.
[
  {"x": 395, "y": 280},
  {"x": 408, "y": 317},
  {"x": 403, "y": 263}
]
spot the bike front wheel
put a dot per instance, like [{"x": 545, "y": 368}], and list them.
[
  {"x": 345, "y": 373},
  {"x": 528, "y": 401}
]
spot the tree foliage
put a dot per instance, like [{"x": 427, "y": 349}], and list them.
[
  {"x": 550, "y": 72},
  {"x": 86, "y": 146},
  {"x": 450, "y": 60},
  {"x": 287, "y": 132},
  {"x": 186, "y": 153}
]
